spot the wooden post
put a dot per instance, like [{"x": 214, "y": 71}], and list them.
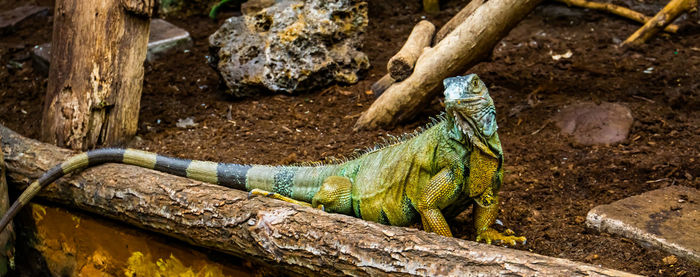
[
  {"x": 7, "y": 237},
  {"x": 94, "y": 89}
]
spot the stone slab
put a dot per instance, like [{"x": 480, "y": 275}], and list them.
[
  {"x": 9, "y": 19},
  {"x": 666, "y": 218},
  {"x": 163, "y": 37},
  {"x": 591, "y": 123}
]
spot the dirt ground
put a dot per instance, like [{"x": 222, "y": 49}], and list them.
[{"x": 551, "y": 182}]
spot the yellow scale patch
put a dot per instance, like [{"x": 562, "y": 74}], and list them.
[
  {"x": 140, "y": 158},
  {"x": 261, "y": 177},
  {"x": 482, "y": 171},
  {"x": 203, "y": 171},
  {"x": 75, "y": 162}
]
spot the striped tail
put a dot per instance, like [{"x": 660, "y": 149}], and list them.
[{"x": 229, "y": 175}]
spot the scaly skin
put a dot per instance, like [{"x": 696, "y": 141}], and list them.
[{"x": 434, "y": 174}]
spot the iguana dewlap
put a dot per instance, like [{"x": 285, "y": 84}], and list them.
[{"x": 436, "y": 173}]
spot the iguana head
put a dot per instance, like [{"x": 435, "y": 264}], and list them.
[{"x": 471, "y": 111}]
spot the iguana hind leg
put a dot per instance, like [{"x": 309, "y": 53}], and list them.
[{"x": 335, "y": 195}]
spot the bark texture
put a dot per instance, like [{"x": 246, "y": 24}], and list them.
[
  {"x": 663, "y": 18},
  {"x": 400, "y": 66},
  {"x": 300, "y": 240},
  {"x": 456, "y": 20},
  {"x": 7, "y": 237},
  {"x": 467, "y": 45},
  {"x": 94, "y": 88}
]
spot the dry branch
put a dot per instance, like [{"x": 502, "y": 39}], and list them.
[
  {"x": 400, "y": 66},
  {"x": 456, "y": 20},
  {"x": 617, "y": 10},
  {"x": 297, "y": 239},
  {"x": 382, "y": 84},
  {"x": 386, "y": 81},
  {"x": 467, "y": 45},
  {"x": 670, "y": 12}
]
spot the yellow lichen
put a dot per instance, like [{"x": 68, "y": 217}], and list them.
[
  {"x": 143, "y": 265},
  {"x": 76, "y": 219},
  {"x": 38, "y": 212}
]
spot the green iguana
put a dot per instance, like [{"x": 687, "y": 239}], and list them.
[{"x": 434, "y": 174}]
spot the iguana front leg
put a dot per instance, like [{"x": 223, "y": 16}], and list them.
[
  {"x": 484, "y": 217},
  {"x": 441, "y": 188}
]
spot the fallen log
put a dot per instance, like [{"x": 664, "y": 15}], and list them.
[
  {"x": 7, "y": 236},
  {"x": 400, "y": 66},
  {"x": 300, "y": 240},
  {"x": 617, "y": 10},
  {"x": 663, "y": 18},
  {"x": 467, "y": 45}
]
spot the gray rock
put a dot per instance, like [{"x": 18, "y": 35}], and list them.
[
  {"x": 291, "y": 46},
  {"x": 667, "y": 218},
  {"x": 163, "y": 37},
  {"x": 607, "y": 123}
]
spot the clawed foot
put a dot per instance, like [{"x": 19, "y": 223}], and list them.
[
  {"x": 260, "y": 192},
  {"x": 281, "y": 197},
  {"x": 490, "y": 235}
]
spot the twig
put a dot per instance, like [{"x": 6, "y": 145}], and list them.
[
  {"x": 643, "y": 98},
  {"x": 617, "y": 10},
  {"x": 663, "y": 18},
  {"x": 541, "y": 128}
]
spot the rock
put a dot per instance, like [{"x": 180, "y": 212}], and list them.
[
  {"x": 164, "y": 37},
  {"x": 41, "y": 57},
  {"x": 589, "y": 123},
  {"x": 667, "y": 218},
  {"x": 291, "y": 46},
  {"x": 8, "y": 19}
]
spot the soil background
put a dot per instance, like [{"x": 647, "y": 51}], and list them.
[{"x": 550, "y": 183}]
